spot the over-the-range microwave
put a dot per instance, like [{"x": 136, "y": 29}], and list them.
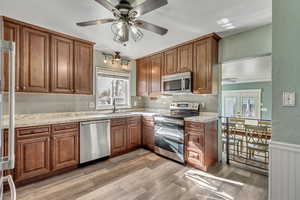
[{"x": 177, "y": 83}]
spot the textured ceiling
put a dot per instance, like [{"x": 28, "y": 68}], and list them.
[{"x": 184, "y": 19}]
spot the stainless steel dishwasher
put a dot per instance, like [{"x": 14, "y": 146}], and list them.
[{"x": 94, "y": 140}]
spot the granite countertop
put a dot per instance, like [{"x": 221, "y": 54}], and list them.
[
  {"x": 204, "y": 117},
  {"x": 25, "y": 120}
]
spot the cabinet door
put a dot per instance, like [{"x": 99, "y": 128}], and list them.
[
  {"x": 32, "y": 158},
  {"x": 118, "y": 140},
  {"x": 35, "y": 60},
  {"x": 148, "y": 137},
  {"x": 155, "y": 75},
  {"x": 142, "y": 77},
  {"x": 134, "y": 135},
  {"x": 185, "y": 58},
  {"x": 11, "y": 33},
  {"x": 62, "y": 65},
  {"x": 65, "y": 150},
  {"x": 83, "y": 68},
  {"x": 203, "y": 64},
  {"x": 170, "y": 66}
]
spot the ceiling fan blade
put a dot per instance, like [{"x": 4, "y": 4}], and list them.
[
  {"x": 151, "y": 27},
  {"x": 95, "y": 22},
  {"x": 148, "y": 6},
  {"x": 106, "y": 4}
]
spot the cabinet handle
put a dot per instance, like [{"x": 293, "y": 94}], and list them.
[{"x": 24, "y": 88}]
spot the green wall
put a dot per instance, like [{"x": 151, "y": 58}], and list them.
[
  {"x": 286, "y": 69},
  {"x": 266, "y": 96},
  {"x": 251, "y": 43}
]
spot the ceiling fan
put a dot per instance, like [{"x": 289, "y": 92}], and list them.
[{"x": 125, "y": 22}]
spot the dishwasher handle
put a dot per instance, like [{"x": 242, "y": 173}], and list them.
[{"x": 94, "y": 122}]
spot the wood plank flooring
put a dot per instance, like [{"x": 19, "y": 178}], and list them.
[{"x": 142, "y": 175}]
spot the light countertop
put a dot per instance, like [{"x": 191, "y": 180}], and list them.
[{"x": 25, "y": 120}]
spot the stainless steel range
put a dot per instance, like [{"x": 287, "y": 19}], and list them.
[{"x": 169, "y": 130}]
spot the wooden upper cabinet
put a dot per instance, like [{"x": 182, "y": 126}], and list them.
[
  {"x": 62, "y": 51},
  {"x": 155, "y": 74},
  {"x": 142, "y": 76},
  {"x": 205, "y": 56},
  {"x": 35, "y": 60},
  {"x": 170, "y": 65},
  {"x": 11, "y": 33},
  {"x": 83, "y": 68},
  {"x": 185, "y": 58}
]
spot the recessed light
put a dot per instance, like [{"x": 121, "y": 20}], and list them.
[
  {"x": 227, "y": 25},
  {"x": 223, "y": 21},
  {"x": 230, "y": 27}
]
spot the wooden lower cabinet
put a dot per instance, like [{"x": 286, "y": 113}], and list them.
[
  {"x": 118, "y": 140},
  {"x": 125, "y": 135},
  {"x": 65, "y": 146},
  {"x": 43, "y": 150},
  {"x": 201, "y": 144},
  {"x": 134, "y": 135},
  {"x": 148, "y": 133},
  {"x": 32, "y": 158}
]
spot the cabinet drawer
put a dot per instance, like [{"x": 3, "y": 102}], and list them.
[
  {"x": 118, "y": 122},
  {"x": 64, "y": 127},
  {"x": 195, "y": 142},
  {"x": 133, "y": 120},
  {"x": 195, "y": 158},
  {"x": 197, "y": 127},
  {"x": 148, "y": 121},
  {"x": 33, "y": 131}
]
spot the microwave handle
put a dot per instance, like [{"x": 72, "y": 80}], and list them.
[{"x": 182, "y": 84}]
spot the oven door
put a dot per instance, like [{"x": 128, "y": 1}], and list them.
[{"x": 169, "y": 140}]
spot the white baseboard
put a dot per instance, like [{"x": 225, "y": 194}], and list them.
[{"x": 284, "y": 176}]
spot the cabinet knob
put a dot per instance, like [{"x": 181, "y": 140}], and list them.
[{"x": 24, "y": 88}]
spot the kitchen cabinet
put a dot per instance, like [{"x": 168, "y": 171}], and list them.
[
  {"x": 43, "y": 150},
  {"x": 201, "y": 144},
  {"x": 142, "y": 76},
  {"x": 48, "y": 61},
  {"x": 62, "y": 65},
  {"x": 125, "y": 135},
  {"x": 171, "y": 62},
  {"x": 155, "y": 74},
  {"x": 32, "y": 152},
  {"x": 197, "y": 56},
  {"x": 64, "y": 145},
  {"x": 149, "y": 75},
  {"x": 118, "y": 139},
  {"x": 134, "y": 135},
  {"x": 185, "y": 58},
  {"x": 34, "y": 60},
  {"x": 205, "y": 56},
  {"x": 83, "y": 68},
  {"x": 148, "y": 133},
  {"x": 11, "y": 33}
]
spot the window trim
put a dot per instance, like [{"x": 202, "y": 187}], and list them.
[{"x": 117, "y": 73}]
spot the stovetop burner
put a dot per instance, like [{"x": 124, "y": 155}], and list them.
[{"x": 180, "y": 110}]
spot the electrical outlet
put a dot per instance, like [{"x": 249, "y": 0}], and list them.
[{"x": 288, "y": 98}]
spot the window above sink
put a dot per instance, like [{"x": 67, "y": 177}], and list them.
[{"x": 111, "y": 85}]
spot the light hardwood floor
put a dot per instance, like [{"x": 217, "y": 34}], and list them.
[{"x": 142, "y": 175}]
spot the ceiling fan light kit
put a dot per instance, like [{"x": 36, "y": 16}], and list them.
[{"x": 126, "y": 24}]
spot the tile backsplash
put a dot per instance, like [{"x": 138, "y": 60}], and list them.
[
  {"x": 28, "y": 103},
  {"x": 210, "y": 102}
]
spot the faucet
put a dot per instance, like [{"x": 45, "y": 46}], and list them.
[{"x": 114, "y": 105}]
